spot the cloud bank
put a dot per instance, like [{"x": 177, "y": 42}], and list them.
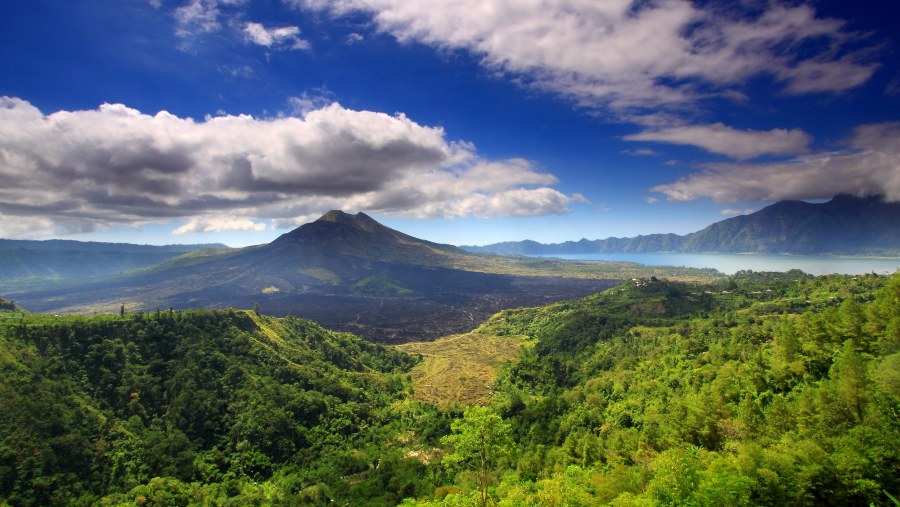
[
  {"x": 80, "y": 170},
  {"x": 628, "y": 55},
  {"x": 869, "y": 166}
]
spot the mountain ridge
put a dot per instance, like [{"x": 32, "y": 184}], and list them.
[
  {"x": 844, "y": 225},
  {"x": 30, "y": 263},
  {"x": 348, "y": 272}
]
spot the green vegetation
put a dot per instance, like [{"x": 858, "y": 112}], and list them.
[
  {"x": 482, "y": 440},
  {"x": 379, "y": 286},
  {"x": 178, "y": 408},
  {"x": 757, "y": 389},
  {"x": 7, "y": 306}
]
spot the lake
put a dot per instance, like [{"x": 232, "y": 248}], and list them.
[{"x": 731, "y": 263}]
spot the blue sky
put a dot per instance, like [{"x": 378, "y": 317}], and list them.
[{"x": 465, "y": 122}]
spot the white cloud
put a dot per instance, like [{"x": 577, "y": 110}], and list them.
[
  {"x": 218, "y": 224},
  {"x": 285, "y": 37},
  {"x": 118, "y": 166},
  {"x": 738, "y": 144},
  {"x": 734, "y": 212},
  {"x": 625, "y": 54},
  {"x": 308, "y": 102},
  {"x": 650, "y": 200},
  {"x": 870, "y": 166},
  {"x": 197, "y": 17}
]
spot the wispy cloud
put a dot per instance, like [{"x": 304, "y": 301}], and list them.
[
  {"x": 627, "y": 55},
  {"x": 218, "y": 224},
  {"x": 640, "y": 152},
  {"x": 868, "y": 166},
  {"x": 80, "y": 170},
  {"x": 284, "y": 37},
  {"x": 735, "y": 212},
  {"x": 197, "y": 17},
  {"x": 738, "y": 144},
  {"x": 310, "y": 101}
]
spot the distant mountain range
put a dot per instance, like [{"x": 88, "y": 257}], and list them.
[
  {"x": 344, "y": 271},
  {"x": 27, "y": 263},
  {"x": 845, "y": 225}
]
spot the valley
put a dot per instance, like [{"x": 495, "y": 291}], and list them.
[
  {"x": 351, "y": 273},
  {"x": 755, "y": 389},
  {"x": 431, "y": 253}
]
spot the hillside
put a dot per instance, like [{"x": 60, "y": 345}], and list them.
[
  {"x": 26, "y": 263},
  {"x": 195, "y": 404},
  {"x": 763, "y": 389},
  {"x": 845, "y": 225},
  {"x": 347, "y": 272},
  {"x": 758, "y": 389}
]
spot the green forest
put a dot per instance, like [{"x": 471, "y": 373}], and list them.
[{"x": 756, "y": 389}]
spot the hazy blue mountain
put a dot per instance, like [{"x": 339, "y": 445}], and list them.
[
  {"x": 25, "y": 263},
  {"x": 845, "y": 225},
  {"x": 345, "y": 271}
]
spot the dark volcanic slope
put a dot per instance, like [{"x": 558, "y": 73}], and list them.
[{"x": 344, "y": 271}]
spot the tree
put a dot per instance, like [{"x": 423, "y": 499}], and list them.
[{"x": 481, "y": 439}]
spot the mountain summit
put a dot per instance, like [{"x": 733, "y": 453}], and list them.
[{"x": 361, "y": 237}]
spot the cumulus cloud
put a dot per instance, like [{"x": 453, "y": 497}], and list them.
[
  {"x": 630, "y": 55},
  {"x": 218, "y": 224},
  {"x": 285, "y": 37},
  {"x": 118, "y": 166},
  {"x": 869, "y": 166},
  {"x": 738, "y": 144}
]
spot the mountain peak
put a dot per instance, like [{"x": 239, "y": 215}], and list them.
[
  {"x": 360, "y": 236},
  {"x": 342, "y": 217}
]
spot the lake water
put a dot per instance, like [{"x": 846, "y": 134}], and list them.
[{"x": 730, "y": 263}]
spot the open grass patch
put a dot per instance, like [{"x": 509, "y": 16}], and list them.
[
  {"x": 379, "y": 286},
  {"x": 460, "y": 368}
]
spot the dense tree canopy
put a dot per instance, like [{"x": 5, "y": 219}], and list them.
[{"x": 760, "y": 389}]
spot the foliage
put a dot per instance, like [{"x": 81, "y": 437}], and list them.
[
  {"x": 379, "y": 286},
  {"x": 7, "y": 306},
  {"x": 758, "y": 389},
  {"x": 178, "y": 407},
  {"x": 482, "y": 440}
]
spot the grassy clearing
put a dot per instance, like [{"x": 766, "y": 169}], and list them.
[{"x": 460, "y": 368}]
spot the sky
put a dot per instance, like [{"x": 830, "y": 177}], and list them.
[{"x": 462, "y": 122}]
